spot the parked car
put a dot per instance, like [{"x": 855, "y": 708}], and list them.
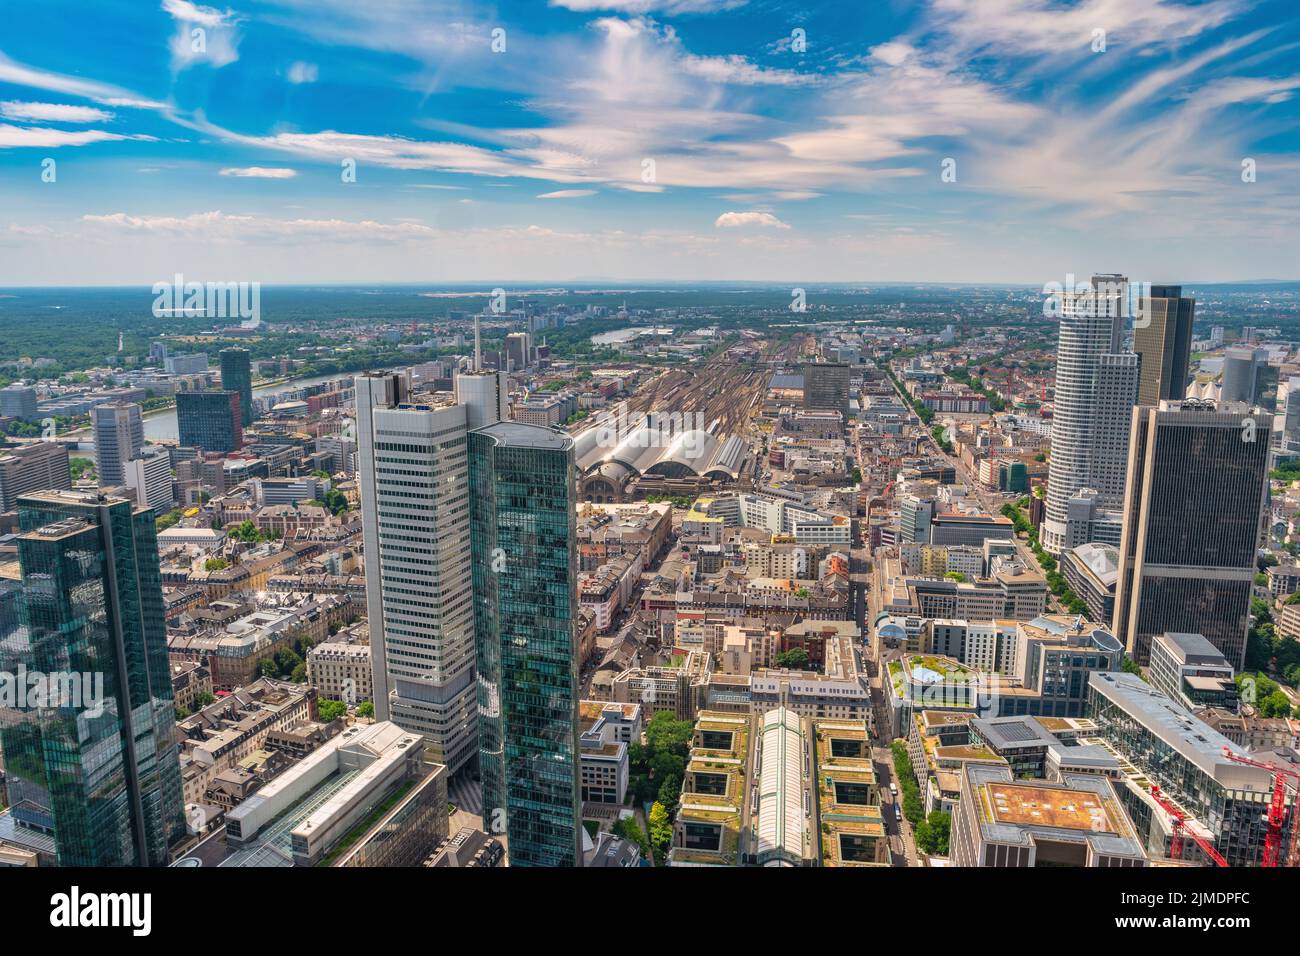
[{"x": 898, "y": 813}]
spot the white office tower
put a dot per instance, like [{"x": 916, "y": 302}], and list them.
[
  {"x": 414, "y": 473},
  {"x": 486, "y": 397},
  {"x": 1290, "y": 441},
  {"x": 119, "y": 436},
  {"x": 150, "y": 477},
  {"x": 1096, "y": 388}
]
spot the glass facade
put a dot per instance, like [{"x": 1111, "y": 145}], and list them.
[
  {"x": 522, "y": 526},
  {"x": 1192, "y": 523},
  {"x": 237, "y": 376},
  {"x": 410, "y": 831},
  {"x": 96, "y": 760},
  {"x": 210, "y": 420},
  {"x": 1236, "y": 816}
]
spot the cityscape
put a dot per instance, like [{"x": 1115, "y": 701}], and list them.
[{"x": 797, "y": 490}]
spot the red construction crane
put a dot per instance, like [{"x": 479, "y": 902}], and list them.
[
  {"x": 1180, "y": 830},
  {"x": 1276, "y": 813}
]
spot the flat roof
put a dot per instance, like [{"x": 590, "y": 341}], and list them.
[
  {"x": 1026, "y": 805},
  {"x": 1191, "y": 648},
  {"x": 520, "y": 435}
]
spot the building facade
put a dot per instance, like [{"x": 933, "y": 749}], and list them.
[
  {"x": 414, "y": 476},
  {"x": 1096, "y": 386},
  {"x": 523, "y": 526},
  {"x": 1191, "y": 525},
  {"x": 98, "y": 765},
  {"x": 119, "y": 437},
  {"x": 1162, "y": 339},
  {"x": 211, "y": 420},
  {"x": 237, "y": 376}
]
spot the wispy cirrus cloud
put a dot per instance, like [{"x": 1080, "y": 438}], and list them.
[
  {"x": 18, "y": 137},
  {"x": 52, "y": 112},
  {"x": 669, "y": 7},
  {"x": 105, "y": 94}
]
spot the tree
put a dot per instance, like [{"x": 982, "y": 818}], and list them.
[
  {"x": 629, "y": 829},
  {"x": 330, "y": 709},
  {"x": 932, "y": 833},
  {"x": 670, "y": 790},
  {"x": 366, "y": 709},
  {"x": 1130, "y": 666},
  {"x": 796, "y": 658},
  {"x": 661, "y": 831}
]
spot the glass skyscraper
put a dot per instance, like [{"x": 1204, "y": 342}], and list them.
[
  {"x": 237, "y": 376},
  {"x": 210, "y": 420},
  {"x": 1197, "y": 489},
  {"x": 93, "y": 757},
  {"x": 522, "y": 528}
]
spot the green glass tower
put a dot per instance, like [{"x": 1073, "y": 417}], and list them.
[
  {"x": 237, "y": 376},
  {"x": 94, "y": 759},
  {"x": 522, "y": 528},
  {"x": 210, "y": 420}
]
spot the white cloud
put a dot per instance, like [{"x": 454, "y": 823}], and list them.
[
  {"x": 102, "y": 93},
  {"x": 649, "y": 6},
  {"x": 1032, "y": 27},
  {"x": 18, "y": 137},
  {"x": 188, "y": 12},
  {"x": 568, "y": 194},
  {"x": 738, "y": 70},
  {"x": 737, "y": 220},
  {"x": 301, "y": 72},
  {"x": 892, "y": 53},
  {"x": 203, "y": 35},
  {"x": 260, "y": 172},
  {"x": 52, "y": 112}
]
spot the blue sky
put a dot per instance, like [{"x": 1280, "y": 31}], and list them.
[{"x": 648, "y": 139}]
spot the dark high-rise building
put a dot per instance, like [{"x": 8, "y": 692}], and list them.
[
  {"x": 95, "y": 762},
  {"x": 211, "y": 421},
  {"x": 237, "y": 376},
  {"x": 1197, "y": 484},
  {"x": 826, "y": 386},
  {"x": 522, "y": 528},
  {"x": 1162, "y": 337}
]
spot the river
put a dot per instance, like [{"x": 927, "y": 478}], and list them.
[{"x": 162, "y": 424}]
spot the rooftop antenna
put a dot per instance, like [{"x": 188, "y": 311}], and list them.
[{"x": 478, "y": 355}]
